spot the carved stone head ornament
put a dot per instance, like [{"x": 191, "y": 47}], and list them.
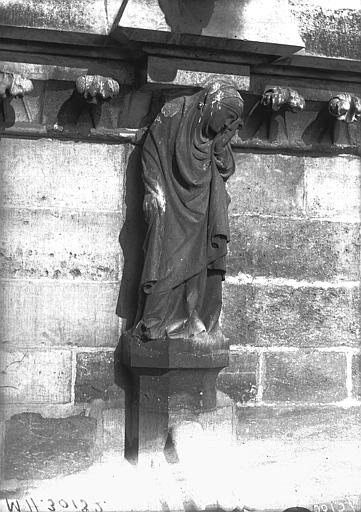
[
  {"x": 14, "y": 85},
  {"x": 96, "y": 88},
  {"x": 345, "y": 107},
  {"x": 278, "y": 97}
]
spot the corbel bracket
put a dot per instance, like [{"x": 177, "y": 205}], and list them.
[
  {"x": 96, "y": 89},
  {"x": 267, "y": 119},
  {"x": 13, "y": 85},
  {"x": 277, "y": 98},
  {"x": 345, "y": 107},
  {"x": 89, "y": 95}
]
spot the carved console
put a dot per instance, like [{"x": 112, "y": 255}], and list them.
[
  {"x": 345, "y": 107},
  {"x": 89, "y": 95},
  {"x": 267, "y": 120},
  {"x": 96, "y": 88},
  {"x": 277, "y": 98},
  {"x": 12, "y": 85}
]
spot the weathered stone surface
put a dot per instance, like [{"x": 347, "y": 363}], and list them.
[
  {"x": 95, "y": 377},
  {"x": 55, "y": 95},
  {"x": 130, "y": 109},
  {"x": 277, "y": 98},
  {"x": 226, "y": 19},
  {"x": 305, "y": 375},
  {"x": 327, "y": 31},
  {"x": 96, "y": 88},
  {"x": 293, "y": 248},
  {"x": 298, "y": 425},
  {"x": 345, "y": 107},
  {"x": 194, "y": 73},
  {"x": 14, "y": 85},
  {"x": 239, "y": 379},
  {"x": 333, "y": 186},
  {"x": 2, "y": 448},
  {"x": 92, "y": 16},
  {"x": 28, "y": 108},
  {"x": 356, "y": 376},
  {"x": 37, "y": 447},
  {"x": 113, "y": 430},
  {"x": 56, "y": 174},
  {"x": 267, "y": 184},
  {"x": 47, "y": 312},
  {"x": 35, "y": 376},
  {"x": 59, "y": 244},
  {"x": 284, "y": 315},
  {"x": 322, "y": 90}
]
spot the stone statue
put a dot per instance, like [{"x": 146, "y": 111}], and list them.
[{"x": 186, "y": 161}]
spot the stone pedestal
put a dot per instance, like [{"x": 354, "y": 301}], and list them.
[{"x": 172, "y": 381}]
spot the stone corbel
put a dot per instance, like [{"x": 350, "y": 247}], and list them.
[
  {"x": 96, "y": 89},
  {"x": 345, "y": 107},
  {"x": 12, "y": 85},
  {"x": 89, "y": 95},
  {"x": 278, "y": 98},
  {"x": 267, "y": 120}
]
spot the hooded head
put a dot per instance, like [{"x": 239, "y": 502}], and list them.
[{"x": 222, "y": 108}]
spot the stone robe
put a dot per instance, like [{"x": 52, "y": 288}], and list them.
[{"x": 185, "y": 205}]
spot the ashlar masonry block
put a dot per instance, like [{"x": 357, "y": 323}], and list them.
[
  {"x": 239, "y": 379},
  {"x": 356, "y": 376},
  {"x": 35, "y": 377},
  {"x": 46, "y": 243},
  {"x": 302, "y": 316},
  {"x": 333, "y": 187},
  {"x": 267, "y": 184},
  {"x": 305, "y": 376},
  {"x": 59, "y": 174},
  {"x": 95, "y": 377},
  {"x": 298, "y": 249},
  {"x": 38, "y": 448},
  {"x": 48, "y": 312}
]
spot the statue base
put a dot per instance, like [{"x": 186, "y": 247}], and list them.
[{"x": 171, "y": 381}]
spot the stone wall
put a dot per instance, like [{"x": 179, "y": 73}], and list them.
[
  {"x": 291, "y": 296},
  {"x": 62, "y": 213},
  {"x": 292, "y": 293},
  {"x": 72, "y": 231}
]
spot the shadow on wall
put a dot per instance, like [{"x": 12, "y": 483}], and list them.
[
  {"x": 326, "y": 129},
  {"x": 131, "y": 240},
  {"x": 7, "y": 113},
  {"x": 187, "y": 15}
]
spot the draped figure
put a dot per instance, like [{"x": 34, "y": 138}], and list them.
[{"x": 186, "y": 160}]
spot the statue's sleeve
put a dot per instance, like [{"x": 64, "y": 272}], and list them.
[
  {"x": 225, "y": 162},
  {"x": 154, "y": 199}
]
